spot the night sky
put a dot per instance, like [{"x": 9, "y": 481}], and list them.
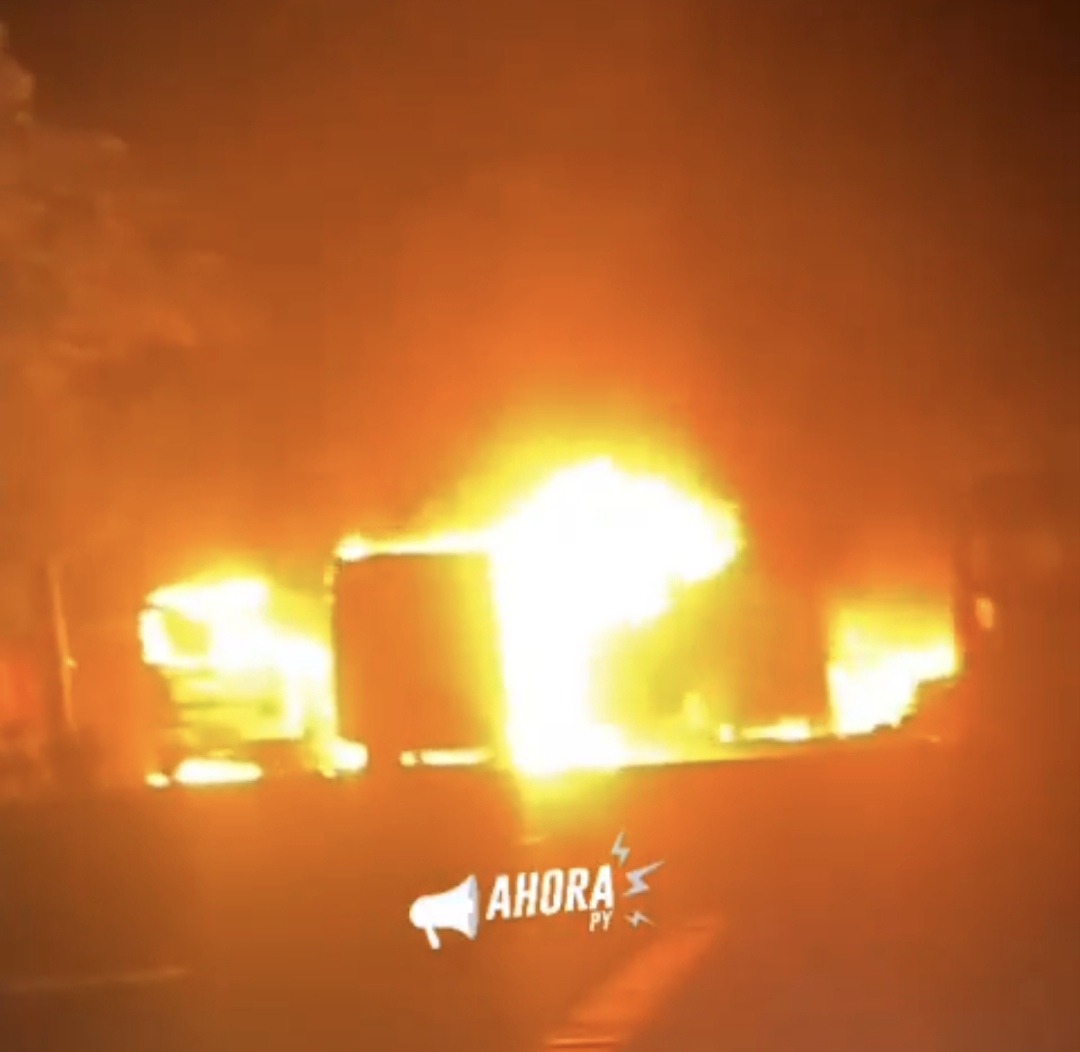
[{"x": 829, "y": 249}]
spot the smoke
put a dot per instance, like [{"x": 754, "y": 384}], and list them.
[{"x": 825, "y": 251}]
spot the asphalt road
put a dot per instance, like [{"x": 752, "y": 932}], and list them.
[
  {"x": 873, "y": 897},
  {"x": 937, "y": 910}
]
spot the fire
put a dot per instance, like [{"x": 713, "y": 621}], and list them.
[
  {"x": 197, "y": 771},
  {"x": 236, "y": 646},
  {"x": 236, "y": 634},
  {"x": 356, "y": 547},
  {"x": 227, "y": 633},
  {"x": 880, "y": 653},
  {"x": 789, "y": 730},
  {"x": 594, "y": 550}
]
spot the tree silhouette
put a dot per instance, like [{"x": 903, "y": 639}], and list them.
[
  {"x": 116, "y": 369},
  {"x": 114, "y": 334}
]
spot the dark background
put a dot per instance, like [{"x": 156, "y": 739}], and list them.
[{"x": 825, "y": 251}]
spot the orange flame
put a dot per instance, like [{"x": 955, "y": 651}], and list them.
[
  {"x": 881, "y": 651},
  {"x": 594, "y": 550},
  {"x": 199, "y": 771},
  {"x": 220, "y": 639}
]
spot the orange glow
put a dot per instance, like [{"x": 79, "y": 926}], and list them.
[
  {"x": 355, "y": 547},
  {"x": 344, "y": 758},
  {"x": 789, "y": 730},
  {"x": 202, "y": 771},
  {"x": 224, "y": 644},
  {"x": 446, "y": 758},
  {"x": 593, "y": 550},
  {"x": 879, "y": 654},
  {"x": 238, "y": 635}
]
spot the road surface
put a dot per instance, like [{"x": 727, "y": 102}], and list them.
[{"x": 869, "y": 898}]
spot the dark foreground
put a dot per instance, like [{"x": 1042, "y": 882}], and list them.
[{"x": 877, "y": 897}]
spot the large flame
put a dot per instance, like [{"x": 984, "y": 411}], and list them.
[
  {"x": 236, "y": 635},
  {"x": 880, "y": 652},
  {"x": 594, "y": 550},
  {"x": 591, "y": 552},
  {"x": 220, "y": 640}
]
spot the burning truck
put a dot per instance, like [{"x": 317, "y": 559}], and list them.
[
  {"x": 607, "y": 620},
  {"x": 242, "y": 673},
  {"x": 736, "y": 657}
]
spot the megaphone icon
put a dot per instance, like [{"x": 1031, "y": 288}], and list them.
[{"x": 458, "y": 908}]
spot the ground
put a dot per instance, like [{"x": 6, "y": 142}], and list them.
[{"x": 880, "y": 897}]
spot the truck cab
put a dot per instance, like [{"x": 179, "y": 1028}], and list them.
[{"x": 238, "y": 670}]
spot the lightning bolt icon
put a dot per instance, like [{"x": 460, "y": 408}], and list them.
[
  {"x": 619, "y": 849},
  {"x": 637, "y": 879}
]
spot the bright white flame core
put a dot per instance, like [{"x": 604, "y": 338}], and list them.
[{"x": 593, "y": 551}]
